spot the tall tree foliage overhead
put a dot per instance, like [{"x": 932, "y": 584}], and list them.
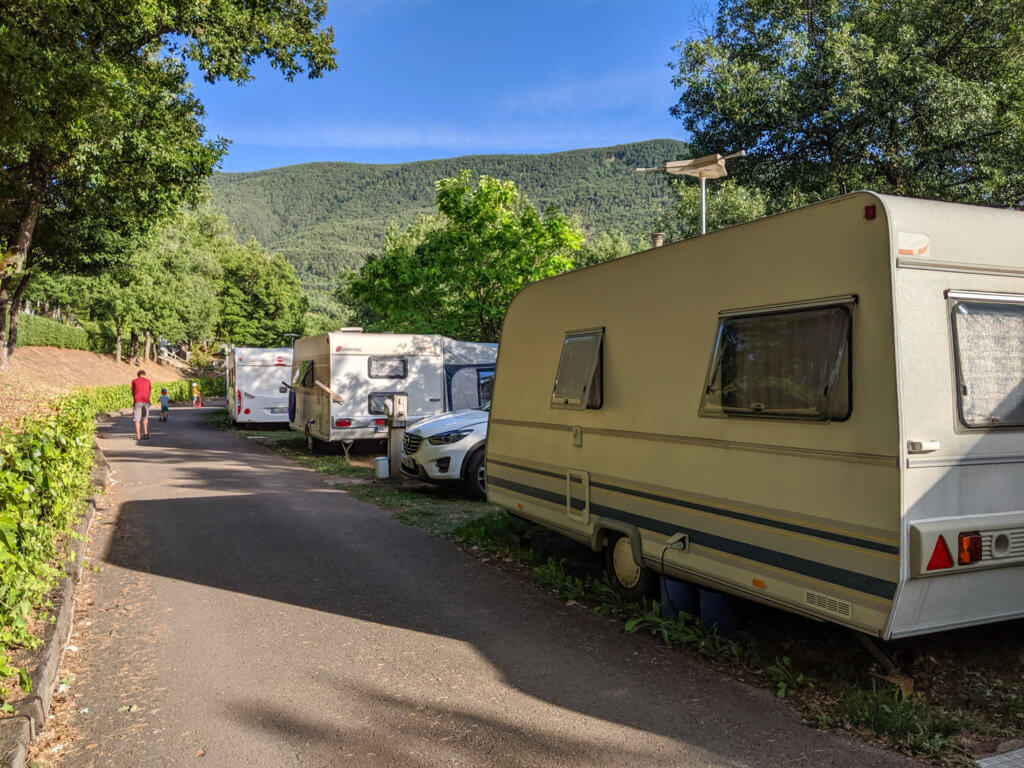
[
  {"x": 915, "y": 97},
  {"x": 100, "y": 135},
  {"x": 455, "y": 273}
]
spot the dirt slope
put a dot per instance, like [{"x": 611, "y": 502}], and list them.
[{"x": 39, "y": 374}]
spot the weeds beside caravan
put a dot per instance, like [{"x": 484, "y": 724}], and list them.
[
  {"x": 256, "y": 383},
  {"x": 364, "y": 369},
  {"x": 822, "y": 411}
]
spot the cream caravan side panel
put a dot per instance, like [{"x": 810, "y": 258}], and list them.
[{"x": 797, "y": 506}]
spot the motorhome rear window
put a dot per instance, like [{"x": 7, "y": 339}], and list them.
[
  {"x": 485, "y": 385},
  {"x": 378, "y": 400},
  {"x": 388, "y": 368},
  {"x": 989, "y": 348},
  {"x": 790, "y": 364},
  {"x": 303, "y": 374},
  {"x": 578, "y": 380}
]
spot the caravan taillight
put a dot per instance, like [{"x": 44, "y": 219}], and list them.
[
  {"x": 968, "y": 548},
  {"x": 343, "y": 423},
  {"x": 380, "y": 422},
  {"x": 941, "y": 558},
  {"x": 246, "y": 411},
  {"x": 869, "y": 212}
]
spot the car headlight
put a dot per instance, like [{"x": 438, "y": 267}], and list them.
[{"x": 447, "y": 438}]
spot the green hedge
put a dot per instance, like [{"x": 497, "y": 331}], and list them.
[
  {"x": 35, "y": 331},
  {"x": 44, "y": 483}
]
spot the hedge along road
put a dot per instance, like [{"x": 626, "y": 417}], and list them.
[{"x": 248, "y": 613}]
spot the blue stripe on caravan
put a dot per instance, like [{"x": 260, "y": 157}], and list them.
[
  {"x": 841, "y": 538},
  {"x": 821, "y": 571}
]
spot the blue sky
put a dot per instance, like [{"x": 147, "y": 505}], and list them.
[{"x": 420, "y": 79}]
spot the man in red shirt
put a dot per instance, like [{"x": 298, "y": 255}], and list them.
[{"x": 141, "y": 389}]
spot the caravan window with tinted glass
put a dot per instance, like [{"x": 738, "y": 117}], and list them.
[
  {"x": 377, "y": 404},
  {"x": 387, "y": 367},
  {"x": 786, "y": 364},
  {"x": 578, "y": 380},
  {"x": 989, "y": 346}
]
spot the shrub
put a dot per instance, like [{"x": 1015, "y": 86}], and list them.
[
  {"x": 102, "y": 337},
  {"x": 44, "y": 481},
  {"x": 35, "y": 331}
]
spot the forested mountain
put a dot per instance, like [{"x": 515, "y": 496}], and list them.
[{"x": 326, "y": 217}]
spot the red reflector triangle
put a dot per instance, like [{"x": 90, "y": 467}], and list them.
[{"x": 941, "y": 557}]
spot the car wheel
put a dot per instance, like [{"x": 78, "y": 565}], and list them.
[
  {"x": 476, "y": 475},
  {"x": 634, "y": 581}
]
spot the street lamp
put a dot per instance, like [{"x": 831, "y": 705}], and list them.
[{"x": 703, "y": 168}]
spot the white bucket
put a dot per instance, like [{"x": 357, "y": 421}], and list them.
[{"x": 382, "y": 467}]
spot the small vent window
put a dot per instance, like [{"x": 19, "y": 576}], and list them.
[
  {"x": 578, "y": 381},
  {"x": 989, "y": 343},
  {"x": 377, "y": 402},
  {"x": 790, "y": 364},
  {"x": 388, "y": 368}
]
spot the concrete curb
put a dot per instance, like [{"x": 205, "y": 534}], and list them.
[{"x": 18, "y": 731}]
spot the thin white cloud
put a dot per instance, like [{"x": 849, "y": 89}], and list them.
[{"x": 610, "y": 92}]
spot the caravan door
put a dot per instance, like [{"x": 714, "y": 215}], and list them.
[{"x": 425, "y": 386}]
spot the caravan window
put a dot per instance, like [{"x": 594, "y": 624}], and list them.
[
  {"x": 377, "y": 400},
  {"x": 303, "y": 374},
  {"x": 578, "y": 380},
  {"x": 989, "y": 346},
  {"x": 791, "y": 364},
  {"x": 387, "y": 368}
]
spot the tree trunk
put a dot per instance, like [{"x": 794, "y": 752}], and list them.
[
  {"x": 15, "y": 307},
  {"x": 4, "y": 306},
  {"x": 117, "y": 343},
  {"x": 149, "y": 346},
  {"x": 133, "y": 347}
]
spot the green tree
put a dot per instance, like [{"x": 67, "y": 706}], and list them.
[
  {"x": 455, "y": 273},
  {"x": 100, "y": 135},
  {"x": 606, "y": 246},
  {"x": 260, "y": 297},
  {"x": 728, "y": 203},
  {"x": 917, "y": 97}
]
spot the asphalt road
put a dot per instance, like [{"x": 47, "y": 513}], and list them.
[{"x": 247, "y": 614}]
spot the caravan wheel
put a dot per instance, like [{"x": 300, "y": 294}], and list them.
[{"x": 633, "y": 580}]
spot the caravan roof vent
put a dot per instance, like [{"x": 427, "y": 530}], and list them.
[{"x": 352, "y": 329}]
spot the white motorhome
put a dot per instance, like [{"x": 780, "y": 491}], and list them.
[
  {"x": 821, "y": 411},
  {"x": 363, "y": 370},
  {"x": 257, "y": 389}
]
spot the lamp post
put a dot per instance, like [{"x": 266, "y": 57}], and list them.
[{"x": 703, "y": 168}]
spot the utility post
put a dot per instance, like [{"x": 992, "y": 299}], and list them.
[
  {"x": 398, "y": 411},
  {"x": 703, "y": 168}
]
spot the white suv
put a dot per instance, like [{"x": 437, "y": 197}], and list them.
[{"x": 449, "y": 448}]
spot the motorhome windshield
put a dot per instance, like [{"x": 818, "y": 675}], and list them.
[
  {"x": 989, "y": 344},
  {"x": 786, "y": 364}
]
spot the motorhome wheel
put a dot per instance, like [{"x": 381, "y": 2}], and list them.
[{"x": 633, "y": 580}]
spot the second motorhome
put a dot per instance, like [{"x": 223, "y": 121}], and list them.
[
  {"x": 257, "y": 389},
  {"x": 363, "y": 370},
  {"x": 821, "y": 411}
]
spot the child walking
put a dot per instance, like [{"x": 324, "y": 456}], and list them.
[{"x": 165, "y": 405}]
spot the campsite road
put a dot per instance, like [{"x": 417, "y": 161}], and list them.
[{"x": 248, "y": 614}]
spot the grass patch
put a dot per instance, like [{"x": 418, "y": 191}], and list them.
[{"x": 906, "y": 721}]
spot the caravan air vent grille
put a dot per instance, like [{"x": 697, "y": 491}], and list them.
[
  {"x": 996, "y": 545},
  {"x": 829, "y": 604}
]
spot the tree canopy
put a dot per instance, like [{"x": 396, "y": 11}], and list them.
[
  {"x": 455, "y": 273},
  {"x": 100, "y": 135},
  {"x": 917, "y": 97}
]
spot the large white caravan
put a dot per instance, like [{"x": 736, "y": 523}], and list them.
[
  {"x": 257, "y": 384},
  {"x": 822, "y": 411},
  {"x": 363, "y": 370}
]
